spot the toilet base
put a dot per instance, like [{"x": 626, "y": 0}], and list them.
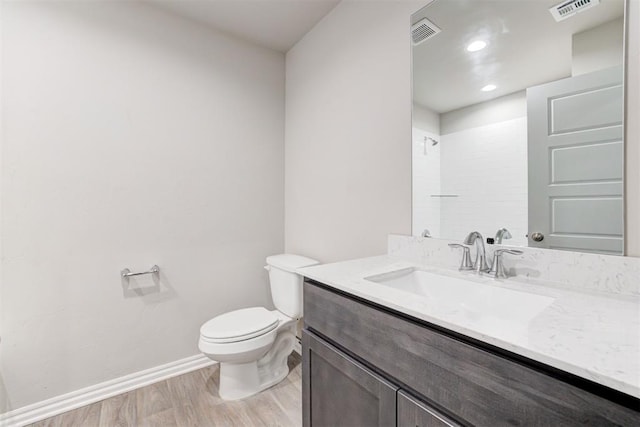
[
  {"x": 238, "y": 380},
  {"x": 241, "y": 380}
]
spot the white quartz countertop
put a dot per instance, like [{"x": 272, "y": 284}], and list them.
[{"x": 594, "y": 336}]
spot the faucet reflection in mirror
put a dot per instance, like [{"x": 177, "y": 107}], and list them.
[
  {"x": 501, "y": 234},
  {"x": 489, "y": 144}
]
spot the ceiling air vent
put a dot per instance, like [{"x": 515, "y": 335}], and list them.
[
  {"x": 423, "y": 30},
  {"x": 567, "y": 9}
]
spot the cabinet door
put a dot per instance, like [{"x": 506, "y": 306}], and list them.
[
  {"x": 412, "y": 412},
  {"x": 338, "y": 391}
]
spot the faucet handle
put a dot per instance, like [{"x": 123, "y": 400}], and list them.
[
  {"x": 508, "y": 251},
  {"x": 497, "y": 267},
  {"x": 466, "y": 263}
]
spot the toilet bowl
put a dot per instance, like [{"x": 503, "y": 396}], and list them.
[{"x": 252, "y": 344}]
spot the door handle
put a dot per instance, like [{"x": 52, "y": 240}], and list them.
[{"x": 537, "y": 236}]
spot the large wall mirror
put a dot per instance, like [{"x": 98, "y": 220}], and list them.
[{"x": 518, "y": 122}]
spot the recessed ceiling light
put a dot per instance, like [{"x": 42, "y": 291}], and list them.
[
  {"x": 476, "y": 46},
  {"x": 488, "y": 88}
]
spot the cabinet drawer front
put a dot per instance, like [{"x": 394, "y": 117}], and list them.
[
  {"x": 339, "y": 391},
  {"x": 413, "y": 413},
  {"x": 479, "y": 387}
]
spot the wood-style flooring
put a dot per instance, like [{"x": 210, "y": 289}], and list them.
[{"x": 192, "y": 400}]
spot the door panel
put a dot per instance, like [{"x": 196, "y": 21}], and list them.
[
  {"x": 576, "y": 162},
  {"x": 593, "y": 209},
  {"x": 583, "y": 163},
  {"x": 586, "y": 109}
]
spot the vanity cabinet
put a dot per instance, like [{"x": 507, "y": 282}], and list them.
[{"x": 366, "y": 365}]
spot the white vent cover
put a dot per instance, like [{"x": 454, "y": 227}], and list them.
[
  {"x": 567, "y": 9},
  {"x": 423, "y": 30}
]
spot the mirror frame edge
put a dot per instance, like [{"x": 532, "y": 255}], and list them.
[{"x": 631, "y": 100}]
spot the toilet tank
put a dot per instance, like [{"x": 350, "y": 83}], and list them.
[{"x": 286, "y": 284}]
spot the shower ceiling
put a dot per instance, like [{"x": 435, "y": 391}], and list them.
[{"x": 525, "y": 47}]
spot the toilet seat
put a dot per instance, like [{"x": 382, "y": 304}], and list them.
[{"x": 239, "y": 325}]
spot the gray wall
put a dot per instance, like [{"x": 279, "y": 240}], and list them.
[
  {"x": 130, "y": 137},
  {"x": 597, "y": 48},
  {"x": 348, "y": 132}
]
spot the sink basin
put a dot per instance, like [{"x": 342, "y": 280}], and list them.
[{"x": 478, "y": 299}]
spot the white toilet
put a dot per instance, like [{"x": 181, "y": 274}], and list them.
[{"x": 253, "y": 344}]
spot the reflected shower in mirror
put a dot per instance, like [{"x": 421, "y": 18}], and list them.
[{"x": 517, "y": 122}]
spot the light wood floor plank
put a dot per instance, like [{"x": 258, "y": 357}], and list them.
[
  {"x": 119, "y": 411},
  {"x": 192, "y": 400},
  {"x": 186, "y": 392},
  {"x": 230, "y": 414},
  {"x": 287, "y": 396},
  {"x": 152, "y": 399},
  {"x": 189, "y": 415},
  {"x": 166, "y": 418},
  {"x": 266, "y": 411}
]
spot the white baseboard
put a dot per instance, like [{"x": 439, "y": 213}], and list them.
[{"x": 66, "y": 402}]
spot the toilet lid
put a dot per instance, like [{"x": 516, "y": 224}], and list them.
[{"x": 239, "y": 325}]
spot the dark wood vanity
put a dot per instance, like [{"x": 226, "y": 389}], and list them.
[{"x": 367, "y": 365}]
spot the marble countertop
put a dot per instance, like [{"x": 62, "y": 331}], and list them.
[{"x": 593, "y": 335}]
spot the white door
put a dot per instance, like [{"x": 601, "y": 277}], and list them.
[{"x": 576, "y": 160}]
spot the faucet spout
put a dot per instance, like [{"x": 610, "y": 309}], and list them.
[
  {"x": 472, "y": 237},
  {"x": 503, "y": 233},
  {"x": 480, "y": 264}
]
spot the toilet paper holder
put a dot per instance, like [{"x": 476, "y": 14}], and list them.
[{"x": 127, "y": 273}]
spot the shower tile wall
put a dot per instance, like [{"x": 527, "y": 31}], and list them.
[{"x": 485, "y": 166}]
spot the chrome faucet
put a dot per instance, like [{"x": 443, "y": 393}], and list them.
[
  {"x": 497, "y": 267},
  {"x": 426, "y": 233},
  {"x": 503, "y": 233},
  {"x": 465, "y": 263},
  {"x": 480, "y": 265}
]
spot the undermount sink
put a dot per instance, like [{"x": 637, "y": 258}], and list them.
[{"x": 479, "y": 299}]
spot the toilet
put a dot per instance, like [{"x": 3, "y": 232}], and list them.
[{"x": 252, "y": 344}]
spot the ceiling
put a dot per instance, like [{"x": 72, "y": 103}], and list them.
[
  {"x": 276, "y": 24},
  {"x": 526, "y": 47}
]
